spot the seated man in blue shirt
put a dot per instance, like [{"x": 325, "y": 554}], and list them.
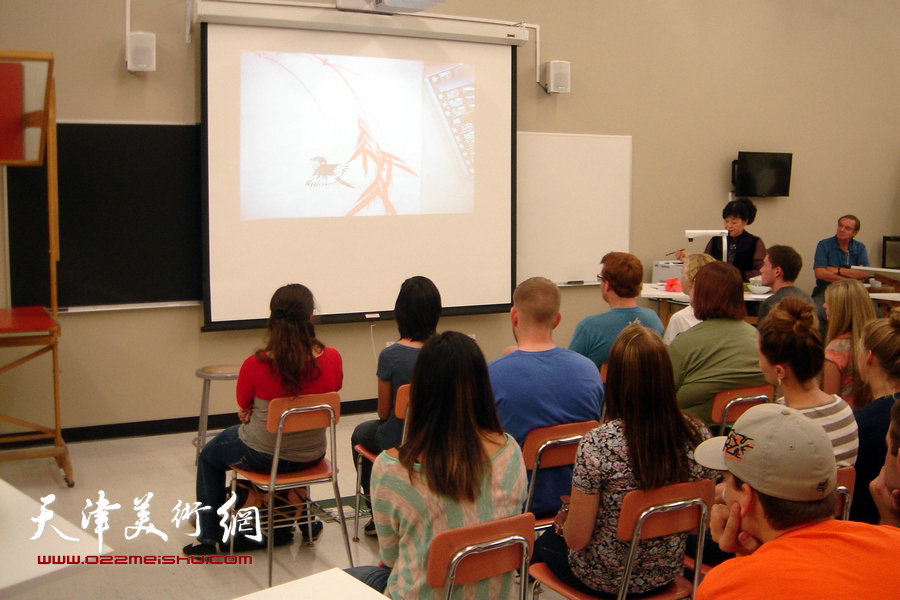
[
  {"x": 835, "y": 256},
  {"x": 620, "y": 283},
  {"x": 540, "y": 384}
]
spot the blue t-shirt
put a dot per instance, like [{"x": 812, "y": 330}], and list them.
[
  {"x": 541, "y": 389},
  {"x": 595, "y": 335},
  {"x": 829, "y": 254}
]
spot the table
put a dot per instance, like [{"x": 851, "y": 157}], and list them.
[
  {"x": 888, "y": 295},
  {"x": 18, "y": 553},
  {"x": 657, "y": 291},
  {"x": 33, "y": 326},
  {"x": 333, "y": 583}
]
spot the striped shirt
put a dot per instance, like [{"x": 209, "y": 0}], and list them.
[
  {"x": 408, "y": 515},
  {"x": 836, "y": 418}
]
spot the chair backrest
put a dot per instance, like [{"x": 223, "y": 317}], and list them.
[
  {"x": 553, "y": 446},
  {"x": 846, "y": 480},
  {"x": 671, "y": 509},
  {"x": 401, "y": 406},
  {"x": 467, "y": 554},
  {"x": 728, "y": 405},
  {"x": 603, "y": 369},
  {"x": 315, "y": 412}
]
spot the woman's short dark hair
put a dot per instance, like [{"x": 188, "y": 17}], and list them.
[
  {"x": 640, "y": 390},
  {"x": 451, "y": 407},
  {"x": 417, "y": 309},
  {"x": 742, "y": 208},
  {"x": 790, "y": 335},
  {"x": 718, "y": 292}
]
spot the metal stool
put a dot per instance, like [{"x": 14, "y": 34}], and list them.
[{"x": 208, "y": 374}]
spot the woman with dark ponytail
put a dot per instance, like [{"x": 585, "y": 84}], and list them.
[
  {"x": 791, "y": 356},
  {"x": 293, "y": 362}
]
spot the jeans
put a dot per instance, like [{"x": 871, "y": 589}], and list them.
[
  {"x": 374, "y": 577},
  {"x": 375, "y": 436},
  {"x": 218, "y": 454}
]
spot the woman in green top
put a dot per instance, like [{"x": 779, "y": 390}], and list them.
[{"x": 720, "y": 352}]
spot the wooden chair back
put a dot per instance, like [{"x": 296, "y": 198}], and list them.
[
  {"x": 467, "y": 554},
  {"x": 728, "y": 405}
]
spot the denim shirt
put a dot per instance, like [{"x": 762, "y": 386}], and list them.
[{"x": 829, "y": 254}]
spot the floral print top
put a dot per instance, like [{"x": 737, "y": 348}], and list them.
[{"x": 602, "y": 466}]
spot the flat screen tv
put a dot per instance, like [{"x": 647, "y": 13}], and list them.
[{"x": 761, "y": 174}]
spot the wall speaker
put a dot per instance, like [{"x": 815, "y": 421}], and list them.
[
  {"x": 140, "y": 51},
  {"x": 558, "y": 76}
]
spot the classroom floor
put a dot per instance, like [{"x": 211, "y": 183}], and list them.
[{"x": 130, "y": 467}]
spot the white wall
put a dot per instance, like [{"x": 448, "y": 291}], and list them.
[{"x": 693, "y": 81}]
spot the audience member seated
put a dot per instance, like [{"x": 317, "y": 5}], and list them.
[
  {"x": 541, "y": 384},
  {"x": 835, "y": 255},
  {"x": 684, "y": 319},
  {"x": 456, "y": 468},
  {"x": 791, "y": 356},
  {"x": 417, "y": 310},
  {"x": 885, "y": 488},
  {"x": 779, "y": 270},
  {"x": 720, "y": 352},
  {"x": 778, "y": 516},
  {"x": 879, "y": 367},
  {"x": 293, "y": 362},
  {"x": 849, "y": 308},
  {"x": 620, "y": 283},
  {"x": 646, "y": 444}
]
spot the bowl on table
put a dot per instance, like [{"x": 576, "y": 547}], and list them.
[{"x": 758, "y": 289}]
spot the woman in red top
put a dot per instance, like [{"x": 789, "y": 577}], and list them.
[{"x": 293, "y": 362}]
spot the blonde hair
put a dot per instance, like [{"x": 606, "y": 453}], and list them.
[
  {"x": 849, "y": 309},
  {"x": 692, "y": 264},
  {"x": 882, "y": 337}
]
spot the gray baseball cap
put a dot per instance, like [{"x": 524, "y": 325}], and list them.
[{"x": 777, "y": 451}]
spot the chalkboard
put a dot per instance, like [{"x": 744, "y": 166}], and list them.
[
  {"x": 129, "y": 212},
  {"x": 573, "y": 203}
]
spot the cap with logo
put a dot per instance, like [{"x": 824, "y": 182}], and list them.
[{"x": 777, "y": 451}]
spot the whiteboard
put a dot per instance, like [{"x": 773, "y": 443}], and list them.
[{"x": 573, "y": 203}]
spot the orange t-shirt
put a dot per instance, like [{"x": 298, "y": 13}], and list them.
[{"x": 832, "y": 559}]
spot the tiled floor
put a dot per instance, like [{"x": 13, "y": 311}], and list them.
[{"x": 128, "y": 468}]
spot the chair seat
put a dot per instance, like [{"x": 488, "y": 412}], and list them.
[
  {"x": 680, "y": 588},
  {"x": 362, "y": 450},
  {"x": 319, "y": 471}
]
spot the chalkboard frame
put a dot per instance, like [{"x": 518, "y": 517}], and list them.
[{"x": 129, "y": 212}]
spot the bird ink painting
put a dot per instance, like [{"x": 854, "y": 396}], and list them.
[{"x": 348, "y": 136}]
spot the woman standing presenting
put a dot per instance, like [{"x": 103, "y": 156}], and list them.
[{"x": 293, "y": 362}]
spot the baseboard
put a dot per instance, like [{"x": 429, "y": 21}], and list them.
[{"x": 163, "y": 426}]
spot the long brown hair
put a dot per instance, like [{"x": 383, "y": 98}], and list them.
[
  {"x": 451, "y": 409},
  {"x": 640, "y": 390},
  {"x": 291, "y": 337}
]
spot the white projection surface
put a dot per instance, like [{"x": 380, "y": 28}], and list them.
[{"x": 349, "y": 162}]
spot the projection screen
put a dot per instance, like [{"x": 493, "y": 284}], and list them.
[{"x": 349, "y": 162}]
